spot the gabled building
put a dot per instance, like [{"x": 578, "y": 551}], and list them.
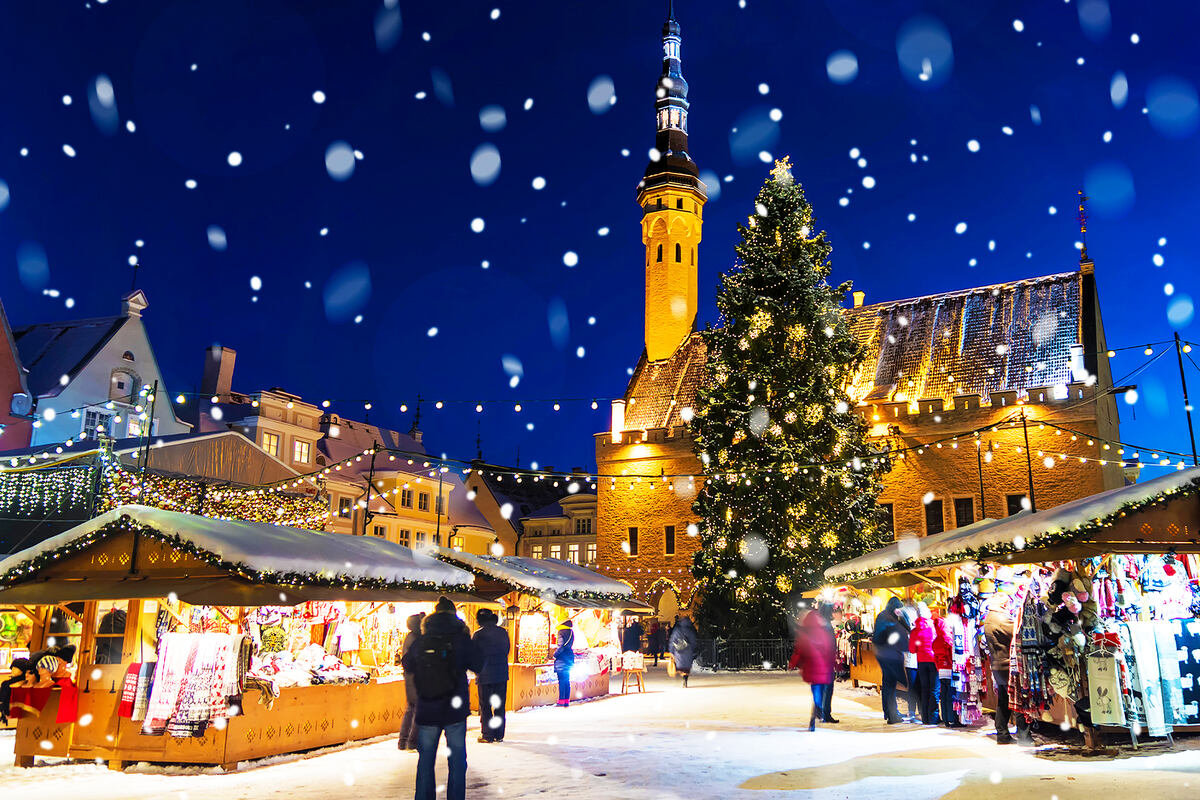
[
  {"x": 565, "y": 529},
  {"x": 1022, "y": 358},
  {"x": 91, "y": 374}
]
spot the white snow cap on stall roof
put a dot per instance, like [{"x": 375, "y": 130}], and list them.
[
  {"x": 262, "y": 547},
  {"x": 539, "y": 574}
]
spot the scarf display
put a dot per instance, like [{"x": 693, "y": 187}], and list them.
[
  {"x": 1187, "y": 646},
  {"x": 1027, "y": 688},
  {"x": 194, "y": 678},
  {"x": 1141, "y": 654}
]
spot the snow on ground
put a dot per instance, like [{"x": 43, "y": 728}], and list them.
[{"x": 726, "y": 736}]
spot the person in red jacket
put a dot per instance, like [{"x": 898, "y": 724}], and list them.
[
  {"x": 920, "y": 642},
  {"x": 813, "y": 654},
  {"x": 943, "y": 657}
]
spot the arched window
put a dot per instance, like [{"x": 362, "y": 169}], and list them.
[
  {"x": 678, "y": 253},
  {"x": 660, "y": 252},
  {"x": 127, "y": 356}
]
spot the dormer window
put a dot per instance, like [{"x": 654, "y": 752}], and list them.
[{"x": 127, "y": 356}]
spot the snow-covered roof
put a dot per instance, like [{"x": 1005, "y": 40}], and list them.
[
  {"x": 539, "y": 574},
  {"x": 267, "y": 549},
  {"x": 1025, "y": 531}
]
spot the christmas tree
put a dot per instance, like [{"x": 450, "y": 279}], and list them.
[{"x": 792, "y": 482}]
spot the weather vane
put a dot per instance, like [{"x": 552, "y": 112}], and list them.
[{"x": 1081, "y": 215}]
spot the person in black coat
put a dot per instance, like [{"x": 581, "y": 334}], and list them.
[
  {"x": 408, "y": 726},
  {"x": 631, "y": 642},
  {"x": 445, "y": 712},
  {"x": 492, "y": 645},
  {"x": 890, "y": 639},
  {"x": 564, "y": 659},
  {"x": 658, "y": 641},
  {"x": 683, "y": 647}
]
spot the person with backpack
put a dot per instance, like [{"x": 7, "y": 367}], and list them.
[
  {"x": 492, "y": 644},
  {"x": 683, "y": 647},
  {"x": 564, "y": 659},
  {"x": 437, "y": 663}
]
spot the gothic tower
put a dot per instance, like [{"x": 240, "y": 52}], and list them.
[{"x": 672, "y": 198}]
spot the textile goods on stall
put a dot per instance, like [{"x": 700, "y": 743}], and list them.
[{"x": 194, "y": 679}]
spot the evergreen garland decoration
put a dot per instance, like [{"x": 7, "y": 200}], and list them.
[
  {"x": 991, "y": 552},
  {"x": 27, "y": 569},
  {"x": 775, "y": 401}
]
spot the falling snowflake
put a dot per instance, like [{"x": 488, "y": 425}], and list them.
[
  {"x": 234, "y": 158},
  {"x": 570, "y": 258},
  {"x": 318, "y": 97},
  {"x": 973, "y": 145},
  {"x": 477, "y": 225}
]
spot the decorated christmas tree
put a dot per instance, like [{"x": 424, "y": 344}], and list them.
[{"x": 792, "y": 482}]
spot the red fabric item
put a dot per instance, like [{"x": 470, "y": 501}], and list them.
[
  {"x": 920, "y": 641},
  {"x": 26, "y": 701},
  {"x": 129, "y": 692},
  {"x": 943, "y": 645},
  {"x": 813, "y": 652}
]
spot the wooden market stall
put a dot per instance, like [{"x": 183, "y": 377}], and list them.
[
  {"x": 537, "y": 594},
  {"x": 1159, "y": 518},
  {"x": 139, "y": 578}
]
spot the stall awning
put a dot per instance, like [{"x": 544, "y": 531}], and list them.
[
  {"x": 135, "y": 551},
  {"x": 1158, "y": 515},
  {"x": 560, "y": 582}
]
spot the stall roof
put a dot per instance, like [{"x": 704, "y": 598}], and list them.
[
  {"x": 570, "y": 584},
  {"x": 252, "y": 556},
  {"x": 1028, "y": 536}
]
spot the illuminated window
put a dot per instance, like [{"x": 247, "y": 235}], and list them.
[
  {"x": 556, "y": 551},
  {"x": 591, "y": 553},
  {"x": 573, "y": 553},
  {"x": 270, "y": 443},
  {"x": 423, "y": 501},
  {"x": 536, "y": 551},
  {"x": 406, "y": 498},
  {"x": 458, "y": 542},
  {"x": 669, "y": 540},
  {"x": 135, "y": 428},
  {"x": 300, "y": 451},
  {"x": 96, "y": 420}
]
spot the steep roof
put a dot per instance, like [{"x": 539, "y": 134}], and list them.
[
  {"x": 1008, "y": 336},
  {"x": 1003, "y": 337},
  {"x": 50, "y": 350},
  {"x": 655, "y": 384}
]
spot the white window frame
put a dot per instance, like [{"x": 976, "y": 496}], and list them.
[
  {"x": 301, "y": 447},
  {"x": 273, "y": 447}
]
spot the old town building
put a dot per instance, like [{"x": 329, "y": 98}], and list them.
[
  {"x": 1025, "y": 358},
  {"x": 564, "y": 529}
]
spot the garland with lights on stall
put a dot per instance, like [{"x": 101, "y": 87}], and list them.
[
  {"x": 512, "y": 577},
  {"x": 991, "y": 551},
  {"x": 125, "y": 524}
]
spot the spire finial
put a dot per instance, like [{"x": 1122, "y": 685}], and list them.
[
  {"x": 670, "y": 9},
  {"x": 1081, "y": 215}
]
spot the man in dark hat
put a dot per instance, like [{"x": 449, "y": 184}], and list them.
[
  {"x": 492, "y": 644},
  {"x": 438, "y": 662}
]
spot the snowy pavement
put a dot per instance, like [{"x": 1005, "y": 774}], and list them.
[{"x": 726, "y": 736}]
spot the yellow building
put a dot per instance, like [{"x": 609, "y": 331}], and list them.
[{"x": 936, "y": 368}]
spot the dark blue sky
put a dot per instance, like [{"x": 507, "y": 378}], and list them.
[{"x": 406, "y": 210}]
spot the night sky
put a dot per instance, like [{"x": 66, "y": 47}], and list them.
[{"x": 1007, "y": 124}]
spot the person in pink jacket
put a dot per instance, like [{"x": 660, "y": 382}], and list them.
[
  {"x": 920, "y": 642},
  {"x": 813, "y": 654},
  {"x": 943, "y": 656}
]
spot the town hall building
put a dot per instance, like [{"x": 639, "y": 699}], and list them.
[{"x": 971, "y": 373}]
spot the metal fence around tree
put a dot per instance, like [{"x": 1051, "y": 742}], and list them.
[{"x": 743, "y": 654}]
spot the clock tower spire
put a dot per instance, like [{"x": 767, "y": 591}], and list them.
[{"x": 672, "y": 198}]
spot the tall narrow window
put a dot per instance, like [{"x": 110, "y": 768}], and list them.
[
  {"x": 678, "y": 253},
  {"x": 679, "y": 203},
  {"x": 573, "y": 553},
  {"x": 271, "y": 443},
  {"x": 660, "y": 252},
  {"x": 935, "y": 521},
  {"x": 964, "y": 511},
  {"x": 343, "y": 506},
  {"x": 591, "y": 553},
  {"x": 423, "y": 501},
  {"x": 693, "y": 256},
  {"x": 556, "y": 551},
  {"x": 669, "y": 540},
  {"x": 633, "y": 541}
]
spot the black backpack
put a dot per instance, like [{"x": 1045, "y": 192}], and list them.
[{"x": 433, "y": 667}]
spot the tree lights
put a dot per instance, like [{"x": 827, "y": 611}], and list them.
[{"x": 776, "y": 407}]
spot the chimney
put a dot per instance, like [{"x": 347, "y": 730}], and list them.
[
  {"x": 218, "y": 371},
  {"x": 858, "y": 299},
  {"x": 618, "y": 420}
]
